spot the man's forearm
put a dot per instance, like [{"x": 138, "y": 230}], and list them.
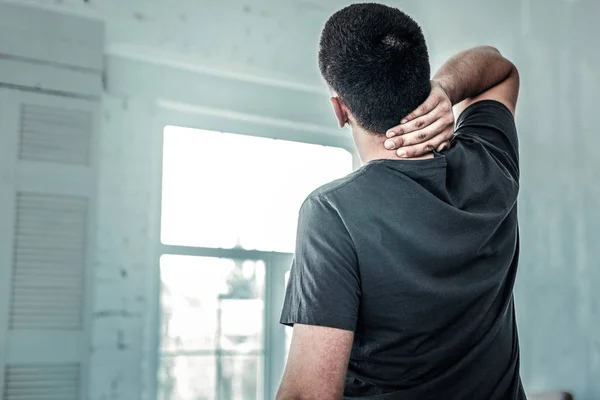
[{"x": 472, "y": 72}]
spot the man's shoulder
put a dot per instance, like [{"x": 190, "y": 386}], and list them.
[
  {"x": 338, "y": 186},
  {"x": 324, "y": 211}
]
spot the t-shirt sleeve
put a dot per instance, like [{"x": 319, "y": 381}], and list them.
[
  {"x": 324, "y": 284},
  {"x": 491, "y": 123}
]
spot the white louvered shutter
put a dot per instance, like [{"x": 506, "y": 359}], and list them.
[
  {"x": 47, "y": 196},
  {"x": 43, "y": 382}
]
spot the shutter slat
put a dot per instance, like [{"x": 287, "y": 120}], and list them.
[
  {"x": 41, "y": 220},
  {"x": 40, "y": 292},
  {"x": 56, "y": 283},
  {"x": 25, "y": 254},
  {"x": 41, "y": 375},
  {"x": 51, "y": 251},
  {"x": 42, "y": 201},
  {"x": 45, "y": 306},
  {"x": 42, "y": 317},
  {"x": 51, "y": 243},
  {"x": 51, "y": 273},
  {"x": 44, "y": 156},
  {"x": 32, "y": 124},
  {"x": 63, "y": 114},
  {"x": 20, "y": 373},
  {"x": 41, "y": 240},
  {"x": 34, "y": 308},
  {"x": 50, "y": 327},
  {"x": 45, "y": 266}
]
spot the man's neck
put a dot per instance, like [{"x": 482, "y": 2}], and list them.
[{"x": 370, "y": 147}]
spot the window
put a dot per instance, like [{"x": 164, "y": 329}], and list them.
[
  {"x": 228, "y": 224},
  {"x": 212, "y": 328}
]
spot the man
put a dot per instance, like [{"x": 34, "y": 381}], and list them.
[{"x": 401, "y": 286}]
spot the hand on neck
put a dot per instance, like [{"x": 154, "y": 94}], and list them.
[{"x": 370, "y": 147}]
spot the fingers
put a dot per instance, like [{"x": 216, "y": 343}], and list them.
[
  {"x": 440, "y": 125},
  {"x": 394, "y": 143},
  {"x": 436, "y": 96},
  {"x": 443, "y": 126},
  {"x": 416, "y": 124},
  {"x": 439, "y": 141},
  {"x": 443, "y": 146},
  {"x": 439, "y": 111},
  {"x": 432, "y": 101}
]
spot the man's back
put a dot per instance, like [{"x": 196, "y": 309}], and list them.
[{"x": 428, "y": 253}]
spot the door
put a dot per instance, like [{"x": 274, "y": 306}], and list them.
[{"x": 47, "y": 202}]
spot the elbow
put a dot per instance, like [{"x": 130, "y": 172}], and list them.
[
  {"x": 305, "y": 396},
  {"x": 494, "y": 50},
  {"x": 287, "y": 396},
  {"x": 498, "y": 57},
  {"x": 513, "y": 72},
  {"x": 298, "y": 394},
  {"x": 284, "y": 394},
  {"x": 511, "y": 68},
  {"x": 490, "y": 49}
]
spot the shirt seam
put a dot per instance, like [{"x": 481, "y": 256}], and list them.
[
  {"x": 341, "y": 185},
  {"x": 354, "y": 247}
]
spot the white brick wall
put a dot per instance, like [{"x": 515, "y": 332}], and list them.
[
  {"x": 274, "y": 39},
  {"x": 269, "y": 38},
  {"x": 125, "y": 251}
]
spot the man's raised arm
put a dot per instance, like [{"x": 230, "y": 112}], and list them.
[
  {"x": 471, "y": 73},
  {"x": 478, "y": 74},
  {"x": 481, "y": 73}
]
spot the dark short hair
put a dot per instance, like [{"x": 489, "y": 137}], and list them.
[{"x": 375, "y": 58}]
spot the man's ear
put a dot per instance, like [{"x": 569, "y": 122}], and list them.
[{"x": 341, "y": 111}]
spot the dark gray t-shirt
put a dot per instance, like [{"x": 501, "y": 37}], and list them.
[{"x": 418, "y": 258}]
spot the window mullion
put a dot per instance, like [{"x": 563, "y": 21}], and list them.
[
  {"x": 232, "y": 253},
  {"x": 276, "y": 267}
]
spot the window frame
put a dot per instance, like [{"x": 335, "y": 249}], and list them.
[{"x": 276, "y": 263}]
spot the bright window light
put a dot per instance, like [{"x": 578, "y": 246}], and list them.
[{"x": 225, "y": 190}]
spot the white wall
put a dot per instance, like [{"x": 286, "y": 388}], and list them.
[
  {"x": 272, "y": 39},
  {"x": 125, "y": 251},
  {"x": 557, "y": 296},
  {"x": 268, "y": 38}
]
